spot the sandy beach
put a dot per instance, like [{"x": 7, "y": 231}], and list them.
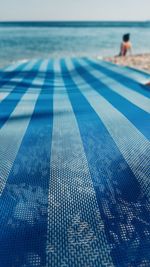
[{"x": 141, "y": 61}]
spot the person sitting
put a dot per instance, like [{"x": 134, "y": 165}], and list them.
[{"x": 125, "y": 45}]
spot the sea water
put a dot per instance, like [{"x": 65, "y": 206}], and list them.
[{"x": 24, "y": 41}]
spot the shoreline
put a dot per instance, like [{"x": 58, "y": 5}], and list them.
[{"x": 138, "y": 61}]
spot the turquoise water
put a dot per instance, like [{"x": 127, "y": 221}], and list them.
[{"x": 22, "y": 41}]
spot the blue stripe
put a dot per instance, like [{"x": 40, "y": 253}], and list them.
[
  {"x": 131, "y": 111},
  {"x": 24, "y": 200},
  {"x": 124, "y": 212},
  {"x": 10, "y": 102},
  {"x": 133, "y": 85}
]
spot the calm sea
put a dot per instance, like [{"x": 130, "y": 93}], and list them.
[{"x": 21, "y": 41}]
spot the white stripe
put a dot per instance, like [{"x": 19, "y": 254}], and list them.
[
  {"x": 127, "y": 72},
  {"x": 5, "y": 90},
  {"x": 13, "y": 67},
  {"x": 41, "y": 71},
  {"x": 75, "y": 235},
  {"x": 13, "y": 131},
  {"x": 30, "y": 65},
  {"x": 133, "y": 145},
  {"x": 137, "y": 99},
  {"x": 43, "y": 66}
]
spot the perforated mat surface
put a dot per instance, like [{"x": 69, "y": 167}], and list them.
[{"x": 74, "y": 165}]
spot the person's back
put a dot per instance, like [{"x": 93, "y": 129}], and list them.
[{"x": 125, "y": 45}]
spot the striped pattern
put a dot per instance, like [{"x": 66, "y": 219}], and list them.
[{"x": 74, "y": 165}]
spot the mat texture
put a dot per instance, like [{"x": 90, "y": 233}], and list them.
[{"x": 74, "y": 165}]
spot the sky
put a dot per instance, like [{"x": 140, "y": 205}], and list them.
[{"x": 74, "y": 10}]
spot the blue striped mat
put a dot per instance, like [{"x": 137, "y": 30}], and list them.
[{"x": 74, "y": 165}]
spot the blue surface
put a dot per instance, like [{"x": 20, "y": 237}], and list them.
[{"x": 41, "y": 223}]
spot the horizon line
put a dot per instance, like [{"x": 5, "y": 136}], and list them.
[{"x": 6, "y": 21}]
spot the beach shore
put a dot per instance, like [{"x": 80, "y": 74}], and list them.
[{"x": 141, "y": 61}]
